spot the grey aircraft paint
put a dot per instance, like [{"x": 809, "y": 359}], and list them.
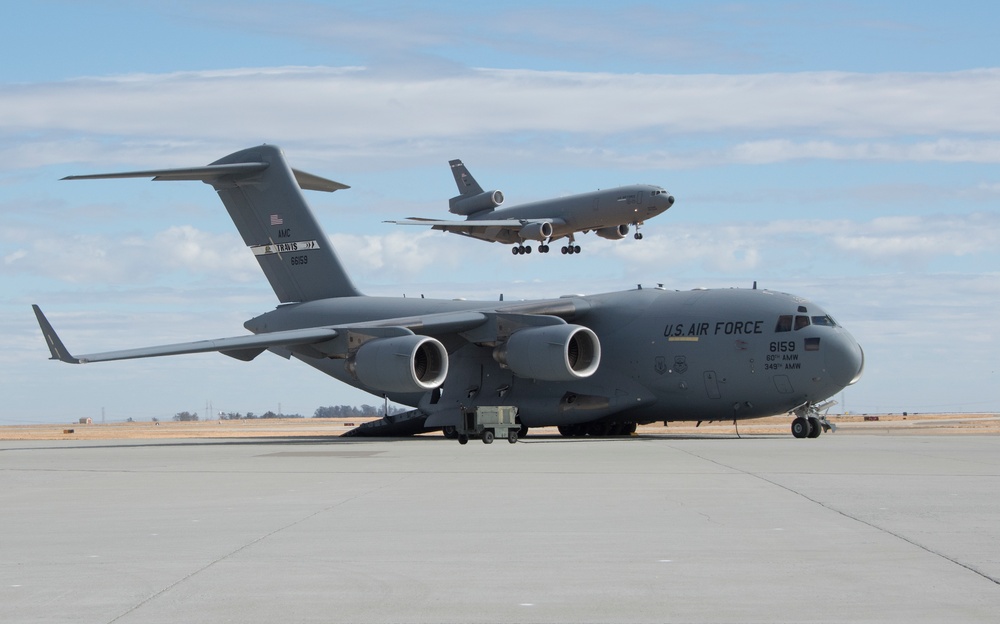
[
  {"x": 596, "y": 364},
  {"x": 609, "y": 213}
]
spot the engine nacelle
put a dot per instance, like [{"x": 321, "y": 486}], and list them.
[
  {"x": 613, "y": 233},
  {"x": 541, "y": 231},
  {"x": 401, "y": 364},
  {"x": 551, "y": 353},
  {"x": 477, "y": 203}
]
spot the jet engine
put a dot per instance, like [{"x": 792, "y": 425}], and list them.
[
  {"x": 401, "y": 364},
  {"x": 465, "y": 206},
  {"x": 551, "y": 353},
  {"x": 613, "y": 233},
  {"x": 541, "y": 231}
]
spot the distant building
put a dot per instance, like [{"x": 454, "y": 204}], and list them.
[{"x": 86, "y": 421}]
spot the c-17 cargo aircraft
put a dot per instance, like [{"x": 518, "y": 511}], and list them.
[
  {"x": 608, "y": 213},
  {"x": 597, "y": 364}
]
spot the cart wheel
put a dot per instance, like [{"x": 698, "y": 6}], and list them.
[
  {"x": 463, "y": 439},
  {"x": 488, "y": 436},
  {"x": 512, "y": 436}
]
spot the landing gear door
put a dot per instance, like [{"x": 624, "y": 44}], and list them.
[{"x": 712, "y": 385}]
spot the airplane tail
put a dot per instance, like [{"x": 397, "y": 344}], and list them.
[
  {"x": 263, "y": 197},
  {"x": 467, "y": 185},
  {"x": 471, "y": 198}
]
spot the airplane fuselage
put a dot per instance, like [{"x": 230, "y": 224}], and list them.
[
  {"x": 718, "y": 354},
  {"x": 585, "y": 212}
]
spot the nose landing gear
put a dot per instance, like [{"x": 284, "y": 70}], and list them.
[{"x": 810, "y": 420}]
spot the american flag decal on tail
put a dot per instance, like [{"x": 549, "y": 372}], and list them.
[{"x": 277, "y": 220}]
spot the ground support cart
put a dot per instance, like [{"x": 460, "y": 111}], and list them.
[{"x": 488, "y": 422}]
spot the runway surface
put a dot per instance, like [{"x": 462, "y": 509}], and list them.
[{"x": 859, "y": 528}]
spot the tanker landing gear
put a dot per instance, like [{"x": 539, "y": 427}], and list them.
[
  {"x": 572, "y": 247},
  {"x": 810, "y": 422},
  {"x": 517, "y": 250},
  {"x": 638, "y": 234}
]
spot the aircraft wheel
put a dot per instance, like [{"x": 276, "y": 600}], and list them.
[
  {"x": 815, "y": 428},
  {"x": 800, "y": 427},
  {"x": 527, "y": 249},
  {"x": 512, "y": 435},
  {"x": 630, "y": 428},
  {"x": 565, "y": 431},
  {"x": 565, "y": 250},
  {"x": 523, "y": 431},
  {"x": 463, "y": 439},
  {"x": 488, "y": 436},
  {"x": 450, "y": 433},
  {"x": 514, "y": 250},
  {"x": 598, "y": 429},
  {"x": 576, "y": 249},
  {"x": 638, "y": 236}
]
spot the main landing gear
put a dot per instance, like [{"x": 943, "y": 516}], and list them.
[
  {"x": 598, "y": 429},
  {"x": 810, "y": 423},
  {"x": 519, "y": 250}
]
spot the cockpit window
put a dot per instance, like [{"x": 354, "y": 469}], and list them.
[
  {"x": 784, "y": 323},
  {"x": 825, "y": 321},
  {"x": 800, "y": 322}
]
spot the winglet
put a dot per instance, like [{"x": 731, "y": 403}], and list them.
[{"x": 56, "y": 347}]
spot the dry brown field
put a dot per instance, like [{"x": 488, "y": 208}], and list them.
[{"x": 922, "y": 424}]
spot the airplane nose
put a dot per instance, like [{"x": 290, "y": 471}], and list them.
[{"x": 845, "y": 360}]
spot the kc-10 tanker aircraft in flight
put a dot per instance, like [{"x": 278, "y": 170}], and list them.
[
  {"x": 608, "y": 213},
  {"x": 597, "y": 364}
]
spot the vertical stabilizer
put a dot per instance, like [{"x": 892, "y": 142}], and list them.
[
  {"x": 467, "y": 185},
  {"x": 264, "y": 198},
  {"x": 471, "y": 198},
  {"x": 276, "y": 224}
]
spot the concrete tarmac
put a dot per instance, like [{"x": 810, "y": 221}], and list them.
[{"x": 856, "y": 528}]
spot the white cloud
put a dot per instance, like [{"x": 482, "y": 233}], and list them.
[{"x": 375, "y": 113}]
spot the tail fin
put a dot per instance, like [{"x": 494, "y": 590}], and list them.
[
  {"x": 263, "y": 197},
  {"x": 467, "y": 185},
  {"x": 471, "y": 198}
]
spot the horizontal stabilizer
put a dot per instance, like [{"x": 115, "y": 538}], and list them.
[
  {"x": 306, "y": 181},
  {"x": 207, "y": 172}
]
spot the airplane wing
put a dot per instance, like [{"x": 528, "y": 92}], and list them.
[
  {"x": 330, "y": 341},
  {"x": 465, "y": 224},
  {"x": 240, "y": 347}
]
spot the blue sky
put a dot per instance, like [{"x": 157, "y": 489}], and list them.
[{"x": 848, "y": 152}]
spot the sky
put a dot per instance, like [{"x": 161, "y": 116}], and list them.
[{"x": 847, "y": 152}]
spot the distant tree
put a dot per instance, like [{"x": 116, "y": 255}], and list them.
[
  {"x": 185, "y": 416},
  {"x": 349, "y": 411}
]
